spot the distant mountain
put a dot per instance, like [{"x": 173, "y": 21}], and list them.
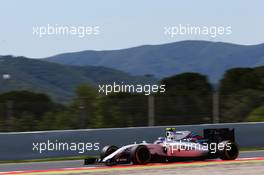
[
  {"x": 209, "y": 58},
  {"x": 57, "y": 80}
]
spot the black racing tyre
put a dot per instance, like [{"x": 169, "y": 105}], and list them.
[
  {"x": 140, "y": 155},
  {"x": 230, "y": 152},
  {"x": 107, "y": 150}
]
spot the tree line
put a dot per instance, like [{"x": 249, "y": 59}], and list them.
[{"x": 187, "y": 100}]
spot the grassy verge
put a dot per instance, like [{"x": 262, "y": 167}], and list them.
[
  {"x": 48, "y": 159},
  {"x": 252, "y": 149}
]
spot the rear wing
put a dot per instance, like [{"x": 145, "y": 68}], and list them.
[{"x": 218, "y": 135}]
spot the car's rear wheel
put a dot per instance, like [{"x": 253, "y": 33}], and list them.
[
  {"x": 107, "y": 150},
  {"x": 230, "y": 151},
  {"x": 140, "y": 154}
]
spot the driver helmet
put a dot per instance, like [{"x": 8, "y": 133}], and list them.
[{"x": 170, "y": 133}]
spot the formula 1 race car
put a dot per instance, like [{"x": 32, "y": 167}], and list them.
[{"x": 175, "y": 146}]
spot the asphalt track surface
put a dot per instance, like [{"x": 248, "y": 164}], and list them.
[{"x": 77, "y": 165}]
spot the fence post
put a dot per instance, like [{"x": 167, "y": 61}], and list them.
[
  {"x": 216, "y": 106},
  {"x": 151, "y": 111}
]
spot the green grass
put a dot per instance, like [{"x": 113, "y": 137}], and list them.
[
  {"x": 251, "y": 149},
  {"x": 48, "y": 159}
]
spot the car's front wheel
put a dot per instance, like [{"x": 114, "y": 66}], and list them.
[
  {"x": 140, "y": 154},
  {"x": 107, "y": 150}
]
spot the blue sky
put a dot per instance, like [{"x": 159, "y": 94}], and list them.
[{"x": 123, "y": 23}]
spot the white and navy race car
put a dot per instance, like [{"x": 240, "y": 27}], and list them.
[{"x": 175, "y": 146}]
